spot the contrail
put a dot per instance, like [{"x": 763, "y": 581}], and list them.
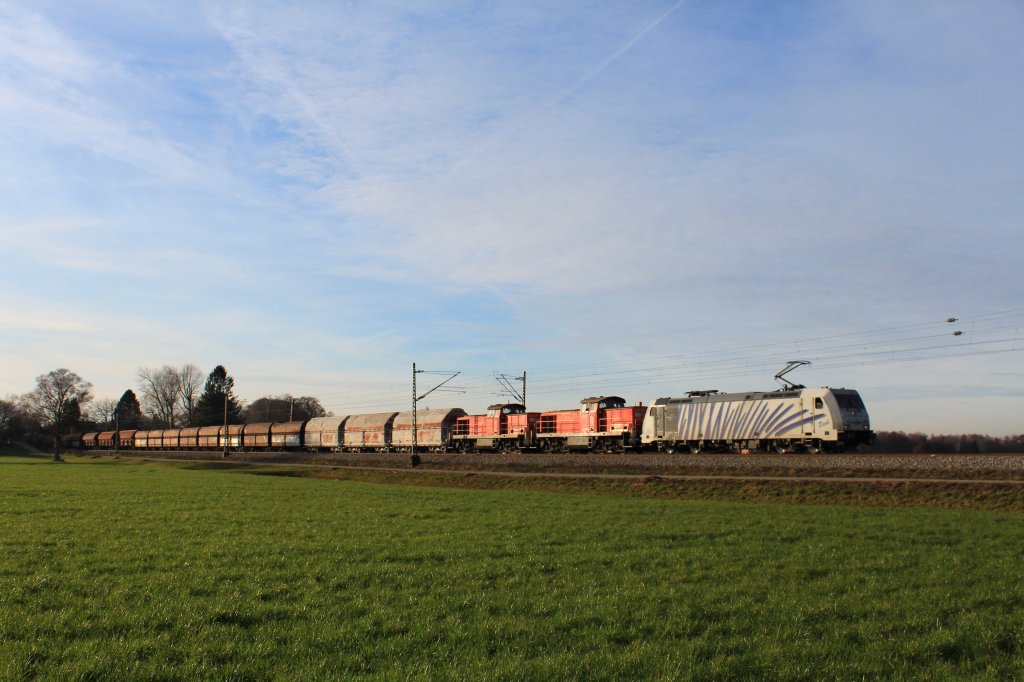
[
  {"x": 487, "y": 145},
  {"x": 593, "y": 73}
]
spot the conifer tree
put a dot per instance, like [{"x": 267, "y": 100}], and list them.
[
  {"x": 210, "y": 406},
  {"x": 128, "y": 412}
]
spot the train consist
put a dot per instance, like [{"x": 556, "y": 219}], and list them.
[{"x": 794, "y": 419}]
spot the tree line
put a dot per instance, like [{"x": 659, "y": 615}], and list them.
[
  {"x": 967, "y": 443},
  {"x": 63, "y": 403}
]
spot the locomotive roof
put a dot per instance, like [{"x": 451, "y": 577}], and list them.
[
  {"x": 498, "y": 406},
  {"x": 591, "y": 401},
  {"x": 729, "y": 397}
]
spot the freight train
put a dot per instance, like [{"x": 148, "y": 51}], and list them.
[{"x": 793, "y": 419}]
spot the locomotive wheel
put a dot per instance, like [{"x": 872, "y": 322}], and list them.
[
  {"x": 694, "y": 449},
  {"x": 670, "y": 448},
  {"x": 780, "y": 449}
]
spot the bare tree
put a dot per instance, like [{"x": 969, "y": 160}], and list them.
[
  {"x": 57, "y": 396},
  {"x": 284, "y": 408},
  {"x": 190, "y": 381},
  {"x": 102, "y": 411},
  {"x": 159, "y": 388},
  {"x": 8, "y": 420}
]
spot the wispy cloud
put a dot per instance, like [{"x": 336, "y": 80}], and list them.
[
  {"x": 429, "y": 172},
  {"x": 562, "y": 184}
]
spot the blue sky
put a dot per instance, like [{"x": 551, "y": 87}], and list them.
[{"x": 637, "y": 197}]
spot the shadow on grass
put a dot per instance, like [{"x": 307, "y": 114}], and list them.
[
  {"x": 251, "y": 468},
  {"x": 16, "y": 452},
  {"x": 219, "y": 466},
  {"x": 286, "y": 473}
]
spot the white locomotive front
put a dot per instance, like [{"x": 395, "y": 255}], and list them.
[{"x": 795, "y": 419}]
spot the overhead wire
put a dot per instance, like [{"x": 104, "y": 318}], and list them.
[{"x": 905, "y": 343}]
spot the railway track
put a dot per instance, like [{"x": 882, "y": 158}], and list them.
[{"x": 864, "y": 468}]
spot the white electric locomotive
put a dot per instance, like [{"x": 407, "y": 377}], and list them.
[
  {"x": 796, "y": 420},
  {"x": 793, "y": 419}
]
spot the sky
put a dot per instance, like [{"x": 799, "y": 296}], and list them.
[{"x": 634, "y": 198}]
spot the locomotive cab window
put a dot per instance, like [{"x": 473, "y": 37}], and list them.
[
  {"x": 849, "y": 401},
  {"x": 818, "y": 403}
]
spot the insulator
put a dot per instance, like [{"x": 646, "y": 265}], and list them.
[
  {"x": 951, "y": 320},
  {"x": 958, "y": 333}
]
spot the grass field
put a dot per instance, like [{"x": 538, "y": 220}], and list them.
[{"x": 115, "y": 569}]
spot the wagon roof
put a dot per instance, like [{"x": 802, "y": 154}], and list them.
[
  {"x": 128, "y": 433},
  {"x": 376, "y": 420},
  {"x": 105, "y": 435},
  {"x": 424, "y": 417},
  {"x": 209, "y": 430},
  {"x": 235, "y": 429},
  {"x": 190, "y": 431},
  {"x": 262, "y": 427},
  {"x": 287, "y": 427},
  {"x": 91, "y": 435},
  {"x": 325, "y": 423}
]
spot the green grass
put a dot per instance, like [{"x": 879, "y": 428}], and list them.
[{"x": 113, "y": 570}]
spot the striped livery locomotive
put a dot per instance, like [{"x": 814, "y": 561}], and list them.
[{"x": 796, "y": 419}]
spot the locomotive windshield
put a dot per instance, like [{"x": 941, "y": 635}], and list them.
[{"x": 849, "y": 401}]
